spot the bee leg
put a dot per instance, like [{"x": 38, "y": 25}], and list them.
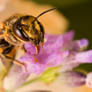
[
  {"x": 23, "y": 48},
  {"x": 4, "y": 61},
  {"x": 17, "y": 62}
]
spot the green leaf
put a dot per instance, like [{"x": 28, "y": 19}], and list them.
[
  {"x": 50, "y": 75},
  {"x": 30, "y": 81},
  {"x": 84, "y": 68}
]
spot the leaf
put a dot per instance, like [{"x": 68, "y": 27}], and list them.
[
  {"x": 84, "y": 68},
  {"x": 29, "y": 82},
  {"x": 50, "y": 75}
]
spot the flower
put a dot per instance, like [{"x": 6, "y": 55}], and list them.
[
  {"x": 59, "y": 50},
  {"x": 50, "y": 56},
  {"x": 73, "y": 79},
  {"x": 84, "y": 57},
  {"x": 76, "y": 54},
  {"x": 15, "y": 78}
]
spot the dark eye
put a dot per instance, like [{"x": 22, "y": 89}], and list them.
[{"x": 21, "y": 33}]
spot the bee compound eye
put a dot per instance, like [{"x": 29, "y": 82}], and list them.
[{"x": 21, "y": 34}]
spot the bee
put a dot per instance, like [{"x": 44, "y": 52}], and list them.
[{"x": 16, "y": 31}]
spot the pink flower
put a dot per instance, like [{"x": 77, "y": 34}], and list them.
[
  {"x": 51, "y": 55},
  {"x": 74, "y": 79},
  {"x": 16, "y": 77},
  {"x": 76, "y": 55},
  {"x": 89, "y": 80},
  {"x": 58, "y": 50}
]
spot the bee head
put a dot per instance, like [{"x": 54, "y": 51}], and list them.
[
  {"x": 28, "y": 28},
  {"x": 28, "y": 31}
]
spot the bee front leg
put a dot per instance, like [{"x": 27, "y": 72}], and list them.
[
  {"x": 4, "y": 61},
  {"x": 16, "y": 62}
]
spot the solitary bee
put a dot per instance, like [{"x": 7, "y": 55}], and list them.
[{"x": 16, "y": 31}]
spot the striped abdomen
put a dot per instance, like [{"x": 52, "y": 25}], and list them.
[{"x": 6, "y": 48}]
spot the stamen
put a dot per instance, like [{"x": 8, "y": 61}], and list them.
[
  {"x": 35, "y": 59},
  {"x": 37, "y": 49}
]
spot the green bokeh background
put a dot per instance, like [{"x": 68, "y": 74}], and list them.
[{"x": 79, "y": 14}]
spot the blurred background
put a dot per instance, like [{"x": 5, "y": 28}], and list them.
[
  {"x": 70, "y": 15},
  {"x": 78, "y": 13}
]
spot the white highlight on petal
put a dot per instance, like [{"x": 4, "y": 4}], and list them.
[
  {"x": 15, "y": 78},
  {"x": 89, "y": 80},
  {"x": 84, "y": 57}
]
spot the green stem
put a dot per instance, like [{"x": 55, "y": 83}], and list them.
[{"x": 30, "y": 81}]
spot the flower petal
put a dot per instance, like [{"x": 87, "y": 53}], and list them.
[
  {"x": 68, "y": 36},
  {"x": 80, "y": 45},
  {"x": 83, "y": 43},
  {"x": 15, "y": 78},
  {"x": 30, "y": 48},
  {"x": 45, "y": 60},
  {"x": 58, "y": 42},
  {"x": 89, "y": 80},
  {"x": 68, "y": 65},
  {"x": 84, "y": 57},
  {"x": 74, "y": 79},
  {"x": 54, "y": 42}
]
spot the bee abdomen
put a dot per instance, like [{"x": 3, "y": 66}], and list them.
[{"x": 3, "y": 43}]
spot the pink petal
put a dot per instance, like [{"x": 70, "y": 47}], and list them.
[
  {"x": 83, "y": 43},
  {"x": 45, "y": 60},
  {"x": 16, "y": 77},
  {"x": 84, "y": 57},
  {"x": 80, "y": 44},
  {"x": 68, "y": 36},
  {"x": 74, "y": 79},
  {"x": 30, "y": 48}
]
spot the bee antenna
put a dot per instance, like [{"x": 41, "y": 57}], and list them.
[{"x": 44, "y": 13}]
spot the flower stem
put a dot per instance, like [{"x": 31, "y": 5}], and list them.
[{"x": 30, "y": 81}]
